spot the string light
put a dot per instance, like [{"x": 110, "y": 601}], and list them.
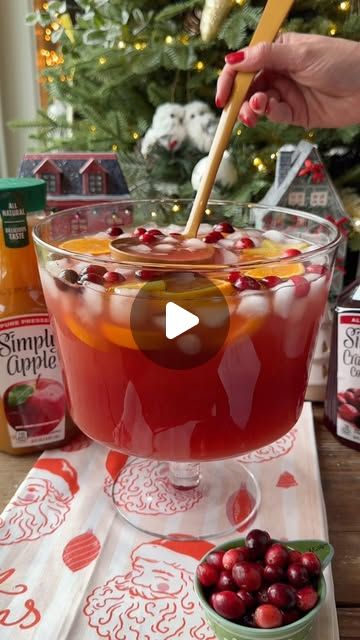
[
  {"x": 345, "y": 6},
  {"x": 139, "y": 46},
  {"x": 153, "y": 214},
  {"x": 50, "y": 79},
  {"x": 208, "y": 212},
  {"x": 45, "y": 6},
  {"x": 240, "y": 2},
  {"x": 257, "y": 162},
  {"x": 114, "y": 147},
  {"x": 102, "y": 60},
  {"x": 121, "y": 44},
  {"x": 184, "y": 39},
  {"x": 357, "y": 223},
  {"x": 169, "y": 39},
  {"x": 199, "y": 66},
  {"x": 261, "y": 167},
  {"x": 135, "y": 135},
  {"x": 273, "y": 156},
  {"x": 239, "y": 132},
  {"x": 175, "y": 208},
  {"x": 55, "y": 26},
  {"x": 311, "y": 134},
  {"x": 92, "y": 128},
  {"x": 62, "y": 78},
  {"x": 48, "y": 31},
  {"x": 332, "y": 30}
]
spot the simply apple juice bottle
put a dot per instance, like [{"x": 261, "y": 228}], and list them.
[{"x": 32, "y": 397}]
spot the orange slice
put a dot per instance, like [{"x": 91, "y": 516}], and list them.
[
  {"x": 280, "y": 270},
  {"x": 88, "y": 245},
  {"x": 123, "y": 337},
  {"x": 91, "y": 338},
  {"x": 243, "y": 328}
]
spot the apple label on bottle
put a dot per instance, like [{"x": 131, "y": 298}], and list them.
[
  {"x": 348, "y": 376},
  {"x": 31, "y": 388}
]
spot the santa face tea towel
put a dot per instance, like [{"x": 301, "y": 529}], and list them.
[{"x": 71, "y": 568}]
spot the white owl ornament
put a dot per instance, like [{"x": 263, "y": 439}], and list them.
[
  {"x": 200, "y": 123},
  {"x": 167, "y": 128}
]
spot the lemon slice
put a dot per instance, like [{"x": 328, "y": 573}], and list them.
[
  {"x": 88, "y": 245},
  {"x": 280, "y": 270},
  {"x": 91, "y": 338}
]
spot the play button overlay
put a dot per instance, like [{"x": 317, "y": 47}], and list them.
[
  {"x": 181, "y": 320},
  {"x": 178, "y": 320}
]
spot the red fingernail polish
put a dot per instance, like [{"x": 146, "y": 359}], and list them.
[
  {"x": 233, "y": 58},
  {"x": 217, "y": 102},
  {"x": 246, "y": 121},
  {"x": 256, "y": 104}
]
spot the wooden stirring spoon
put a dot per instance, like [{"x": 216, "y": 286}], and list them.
[
  {"x": 274, "y": 14},
  {"x": 270, "y": 22}
]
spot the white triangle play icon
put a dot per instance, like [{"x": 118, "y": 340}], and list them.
[{"x": 178, "y": 320}]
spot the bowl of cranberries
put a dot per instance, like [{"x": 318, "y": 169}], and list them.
[{"x": 256, "y": 587}]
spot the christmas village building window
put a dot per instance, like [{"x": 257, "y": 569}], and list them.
[
  {"x": 50, "y": 180},
  {"x": 96, "y": 183}
]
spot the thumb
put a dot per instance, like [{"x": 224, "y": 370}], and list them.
[{"x": 279, "y": 56}]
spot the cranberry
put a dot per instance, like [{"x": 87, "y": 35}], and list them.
[
  {"x": 248, "y": 620},
  {"x": 311, "y": 562},
  {"x": 114, "y": 231},
  {"x": 93, "y": 268},
  {"x": 154, "y": 232},
  {"x": 262, "y": 596},
  {"x": 139, "y": 231},
  {"x": 247, "y": 598},
  {"x": 112, "y": 277},
  {"x": 350, "y": 397},
  {"x": 148, "y": 238},
  {"x": 319, "y": 269},
  {"x": 244, "y": 243},
  {"x": 95, "y": 278},
  {"x": 232, "y": 556},
  {"x": 228, "y": 605},
  {"x": 244, "y": 283},
  {"x": 224, "y": 227},
  {"x": 271, "y": 281},
  {"x": 147, "y": 274},
  {"x": 302, "y": 286},
  {"x": 277, "y": 554},
  {"x": 257, "y": 541},
  {"x": 225, "y": 582},
  {"x": 348, "y": 412},
  {"x": 247, "y": 575},
  {"x": 268, "y": 617},
  {"x": 69, "y": 275},
  {"x": 290, "y": 616},
  {"x": 297, "y": 575},
  {"x": 175, "y": 235},
  {"x": 233, "y": 276},
  {"x": 306, "y": 598},
  {"x": 216, "y": 559},
  {"x": 341, "y": 398},
  {"x": 207, "y": 574},
  {"x": 282, "y": 595},
  {"x": 294, "y": 556},
  {"x": 212, "y": 237},
  {"x": 291, "y": 253},
  {"x": 273, "y": 573}
]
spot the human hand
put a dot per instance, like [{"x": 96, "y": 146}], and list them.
[{"x": 305, "y": 80}]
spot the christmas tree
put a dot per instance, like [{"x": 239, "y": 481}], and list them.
[{"x": 118, "y": 61}]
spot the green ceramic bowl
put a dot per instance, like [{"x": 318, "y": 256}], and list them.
[{"x": 299, "y": 630}]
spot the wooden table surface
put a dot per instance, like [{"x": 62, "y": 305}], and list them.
[{"x": 340, "y": 472}]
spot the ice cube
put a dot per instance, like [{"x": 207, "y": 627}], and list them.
[
  {"x": 54, "y": 267},
  {"x": 253, "y": 305},
  {"x": 93, "y": 298},
  {"x": 298, "y": 309},
  {"x": 311, "y": 277},
  {"x": 226, "y": 243},
  {"x": 120, "y": 304},
  {"x": 274, "y": 236},
  {"x": 205, "y": 228},
  {"x": 283, "y": 299},
  {"x": 216, "y": 316},
  {"x": 223, "y": 256},
  {"x": 141, "y": 248},
  {"x": 164, "y": 247},
  {"x": 317, "y": 288},
  {"x": 172, "y": 228},
  {"x": 193, "y": 243},
  {"x": 189, "y": 344}
]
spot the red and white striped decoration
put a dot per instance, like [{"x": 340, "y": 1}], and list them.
[{"x": 81, "y": 550}]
